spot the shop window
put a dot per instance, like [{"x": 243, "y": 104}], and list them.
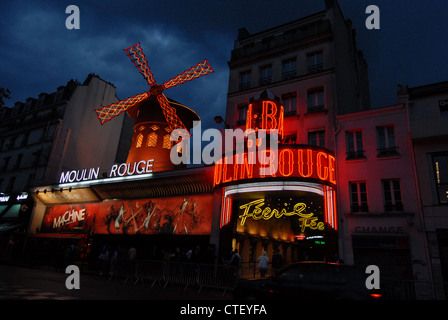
[
  {"x": 167, "y": 141},
  {"x": 315, "y": 100},
  {"x": 316, "y": 138},
  {"x": 152, "y": 139},
  {"x": 289, "y": 101},
  {"x": 440, "y": 166},
  {"x": 358, "y": 197},
  {"x": 245, "y": 80},
  {"x": 265, "y": 75},
  {"x": 354, "y": 145},
  {"x": 386, "y": 141},
  {"x": 392, "y": 195},
  {"x": 139, "y": 141}
]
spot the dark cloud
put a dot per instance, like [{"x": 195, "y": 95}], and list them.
[{"x": 38, "y": 53}]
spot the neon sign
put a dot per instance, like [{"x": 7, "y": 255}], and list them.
[
  {"x": 255, "y": 210},
  {"x": 307, "y": 163},
  {"x": 265, "y": 114},
  {"x": 117, "y": 170}
]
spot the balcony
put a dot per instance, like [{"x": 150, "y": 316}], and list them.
[
  {"x": 298, "y": 34},
  {"x": 387, "y": 152},
  {"x": 352, "y": 155},
  {"x": 397, "y": 207},
  {"x": 356, "y": 208}
]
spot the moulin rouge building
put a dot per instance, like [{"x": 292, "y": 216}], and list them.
[{"x": 332, "y": 192}]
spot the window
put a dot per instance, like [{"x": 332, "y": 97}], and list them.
[
  {"x": 18, "y": 161},
  {"x": 5, "y": 163},
  {"x": 152, "y": 139},
  {"x": 167, "y": 141},
  {"x": 315, "y": 100},
  {"x": 289, "y": 68},
  {"x": 386, "y": 141},
  {"x": 245, "y": 80},
  {"x": 314, "y": 62},
  {"x": 290, "y": 139},
  {"x": 354, "y": 145},
  {"x": 139, "y": 141},
  {"x": 289, "y": 101},
  {"x": 443, "y": 105},
  {"x": 392, "y": 195},
  {"x": 265, "y": 75},
  {"x": 316, "y": 138},
  {"x": 440, "y": 165},
  {"x": 358, "y": 197},
  {"x": 10, "y": 186},
  {"x": 242, "y": 114}
]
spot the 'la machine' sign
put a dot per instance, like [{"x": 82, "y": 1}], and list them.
[{"x": 117, "y": 170}]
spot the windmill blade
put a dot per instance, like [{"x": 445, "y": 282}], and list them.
[
  {"x": 171, "y": 116},
  {"x": 136, "y": 54},
  {"x": 199, "y": 70},
  {"x": 106, "y": 113}
]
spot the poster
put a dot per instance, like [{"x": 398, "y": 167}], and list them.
[{"x": 190, "y": 215}]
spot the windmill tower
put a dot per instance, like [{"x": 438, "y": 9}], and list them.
[{"x": 155, "y": 116}]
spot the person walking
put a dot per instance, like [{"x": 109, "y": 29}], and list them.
[
  {"x": 263, "y": 262},
  {"x": 277, "y": 262}
]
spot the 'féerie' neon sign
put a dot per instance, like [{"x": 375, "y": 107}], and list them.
[{"x": 255, "y": 210}]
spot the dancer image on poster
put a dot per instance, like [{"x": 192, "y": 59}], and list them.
[
  {"x": 120, "y": 216},
  {"x": 180, "y": 218}
]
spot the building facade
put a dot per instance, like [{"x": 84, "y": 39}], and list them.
[
  {"x": 428, "y": 112},
  {"x": 48, "y": 134},
  {"x": 315, "y": 69},
  {"x": 378, "y": 195}
]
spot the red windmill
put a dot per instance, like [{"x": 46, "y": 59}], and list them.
[
  {"x": 155, "y": 116},
  {"x": 136, "y": 54}
]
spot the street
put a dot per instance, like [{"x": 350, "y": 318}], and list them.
[{"x": 20, "y": 283}]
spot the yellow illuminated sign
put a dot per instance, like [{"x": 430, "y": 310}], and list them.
[{"x": 255, "y": 210}]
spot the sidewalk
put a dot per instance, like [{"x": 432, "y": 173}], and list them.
[{"x": 29, "y": 283}]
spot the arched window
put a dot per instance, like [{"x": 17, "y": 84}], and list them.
[
  {"x": 166, "y": 141},
  {"x": 139, "y": 141},
  {"x": 152, "y": 139}
]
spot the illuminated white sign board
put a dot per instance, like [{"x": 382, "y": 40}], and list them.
[{"x": 117, "y": 171}]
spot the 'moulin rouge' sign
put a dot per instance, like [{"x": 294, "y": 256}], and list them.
[{"x": 294, "y": 161}]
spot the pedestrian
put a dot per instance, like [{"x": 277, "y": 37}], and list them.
[
  {"x": 113, "y": 263},
  {"x": 263, "y": 262},
  {"x": 103, "y": 260},
  {"x": 235, "y": 259},
  {"x": 277, "y": 261}
]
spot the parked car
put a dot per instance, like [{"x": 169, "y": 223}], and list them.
[{"x": 308, "y": 281}]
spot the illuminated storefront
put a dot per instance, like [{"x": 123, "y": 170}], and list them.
[
  {"x": 293, "y": 211},
  {"x": 153, "y": 213},
  {"x": 287, "y": 203}
]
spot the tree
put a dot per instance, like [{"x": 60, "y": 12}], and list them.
[{"x": 4, "y": 93}]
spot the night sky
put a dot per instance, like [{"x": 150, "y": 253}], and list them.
[{"x": 38, "y": 53}]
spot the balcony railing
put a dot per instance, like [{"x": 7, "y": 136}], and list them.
[
  {"x": 363, "y": 207},
  {"x": 387, "y": 152},
  {"x": 351, "y": 155}
]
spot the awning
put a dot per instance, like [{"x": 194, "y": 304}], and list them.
[
  {"x": 7, "y": 226},
  {"x": 10, "y": 211}
]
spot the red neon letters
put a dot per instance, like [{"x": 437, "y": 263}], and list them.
[{"x": 301, "y": 163}]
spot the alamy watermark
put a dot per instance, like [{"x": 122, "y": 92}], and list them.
[{"x": 260, "y": 144}]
